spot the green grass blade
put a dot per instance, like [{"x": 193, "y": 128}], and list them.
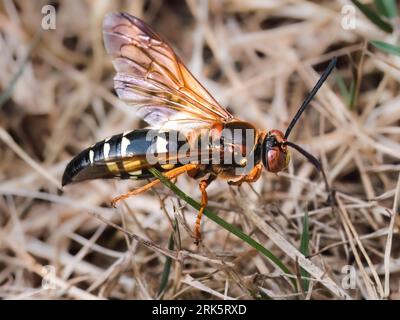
[
  {"x": 387, "y": 8},
  {"x": 304, "y": 249},
  {"x": 386, "y": 47},
  {"x": 232, "y": 229},
  {"x": 352, "y": 95},
  {"x": 167, "y": 266},
  {"x": 373, "y": 17},
  {"x": 344, "y": 92}
]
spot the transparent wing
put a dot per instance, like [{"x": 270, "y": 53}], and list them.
[{"x": 151, "y": 77}]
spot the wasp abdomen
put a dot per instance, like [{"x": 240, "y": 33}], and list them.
[
  {"x": 123, "y": 156},
  {"x": 91, "y": 163}
]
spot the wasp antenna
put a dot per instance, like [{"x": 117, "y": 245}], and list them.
[
  {"x": 317, "y": 165},
  {"x": 306, "y": 154},
  {"x": 311, "y": 95}
]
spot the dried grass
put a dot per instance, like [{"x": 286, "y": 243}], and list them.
[{"x": 257, "y": 57}]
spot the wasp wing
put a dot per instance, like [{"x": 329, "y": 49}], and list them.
[{"x": 151, "y": 77}]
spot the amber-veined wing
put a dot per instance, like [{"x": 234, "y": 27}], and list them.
[{"x": 151, "y": 77}]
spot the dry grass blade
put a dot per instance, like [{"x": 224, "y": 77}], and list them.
[
  {"x": 257, "y": 58},
  {"x": 317, "y": 274},
  {"x": 388, "y": 249}
]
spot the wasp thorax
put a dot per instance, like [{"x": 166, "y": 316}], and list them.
[{"x": 276, "y": 155}]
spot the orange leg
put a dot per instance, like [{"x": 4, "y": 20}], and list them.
[
  {"x": 253, "y": 176},
  {"x": 169, "y": 175},
  {"x": 203, "y": 184}
]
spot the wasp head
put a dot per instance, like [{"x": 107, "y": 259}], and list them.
[{"x": 275, "y": 153}]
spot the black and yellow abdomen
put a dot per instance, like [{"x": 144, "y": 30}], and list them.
[{"x": 123, "y": 156}]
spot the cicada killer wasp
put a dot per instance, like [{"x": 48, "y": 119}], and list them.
[{"x": 153, "y": 79}]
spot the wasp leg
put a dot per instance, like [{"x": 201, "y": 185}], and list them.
[
  {"x": 169, "y": 175},
  {"x": 203, "y": 184},
  {"x": 253, "y": 176}
]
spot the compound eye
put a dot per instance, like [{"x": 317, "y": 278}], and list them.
[{"x": 277, "y": 159}]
